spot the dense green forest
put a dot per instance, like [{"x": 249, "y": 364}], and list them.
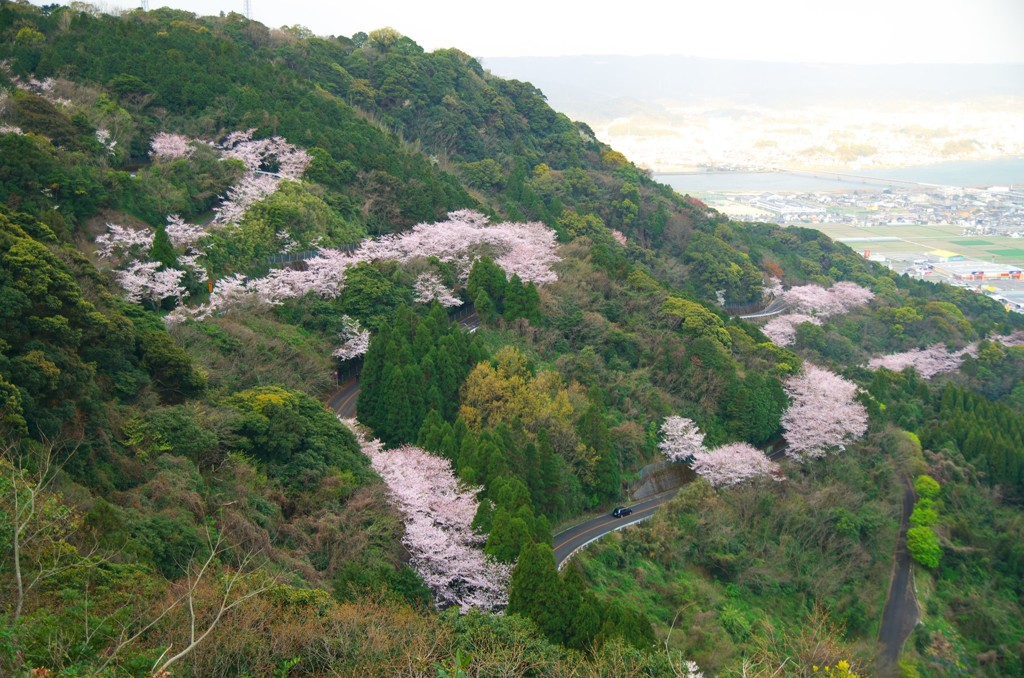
[{"x": 176, "y": 497}]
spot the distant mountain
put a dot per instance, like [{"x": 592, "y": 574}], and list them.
[{"x": 582, "y": 85}]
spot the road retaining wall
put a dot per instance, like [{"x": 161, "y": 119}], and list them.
[{"x": 658, "y": 478}]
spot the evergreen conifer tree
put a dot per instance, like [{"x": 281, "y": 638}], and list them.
[
  {"x": 162, "y": 250},
  {"x": 536, "y": 592}
]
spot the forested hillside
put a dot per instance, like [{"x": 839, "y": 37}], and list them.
[{"x": 209, "y": 227}]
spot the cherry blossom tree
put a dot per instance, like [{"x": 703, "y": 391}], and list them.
[
  {"x": 620, "y": 237},
  {"x": 1015, "y": 339},
  {"x": 166, "y": 147},
  {"x": 120, "y": 240},
  {"x": 286, "y": 242},
  {"x": 11, "y": 129},
  {"x": 733, "y": 463},
  {"x": 811, "y": 303},
  {"x": 438, "y": 514},
  {"x": 183, "y": 234},
  {"x": 523, "y": 249},
  {"x": 929, "y": 361},
  {"x": 249, "y": 190},
  {"x": 823, "y": 415},
  {"x": 527, "y": 249},
  {"x": 190, "y": 262},
  {"x": 840, "y": 298},
  {"x": 727, "y": 465},
  {"x": 355, "y": 341},
  {"x": 143, "y": 280},
  {"x": 430, "y": 288},
  {"x": 259, "y": 156},
  {"x": 772, "y": 288},
  {"x": 782, "y": 328},
  {"x": 681, "y": 439},
  {"x": 104, "y": 139}
]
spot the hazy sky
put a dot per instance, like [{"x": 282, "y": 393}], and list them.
[{"x": 858, "y": 31}]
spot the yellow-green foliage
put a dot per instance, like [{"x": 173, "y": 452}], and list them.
[{"x": 695, "y": 320}]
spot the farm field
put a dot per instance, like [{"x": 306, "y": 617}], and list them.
[{"x": 915, "y": 240}]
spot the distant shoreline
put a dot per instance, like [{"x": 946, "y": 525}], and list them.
[{"x": 1007, "y": 171}]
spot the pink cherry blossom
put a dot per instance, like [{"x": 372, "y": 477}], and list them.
[
  {"x": 733, "y": 463},
  {"x": 782, "y": 328},
  {"x": 257, "y": 184},
  {"x": 935, "y": 359},
  {"x": 438, "y": 514},
  {"x": 259, "y": 153},
  {"x": 183, "y": 234},
  {"x": 252, "y": 188},
  {"x": 772, "y": 288},
  {"x": 190, "y": 262},
  {"x": 165, "y": 146},
  {"x": 104, "y": 139},
  {"x": 840, "y": 298},
  {"x": 681, "y": 439},
  {"x": 527, "y": 249},
  {"x": 523, "y": 249},
  {"x": 1015, "y": 339},
  {"x": 430, "y": 288},
  {"x": 727, "y": 465},
  {"x": 823, "y": 415},
  {"x": 143, "y": 281},
  {"x": 120, "y": 240},
  {"x": 355, "y": 341},
  {"x": 620, "y": 237}
]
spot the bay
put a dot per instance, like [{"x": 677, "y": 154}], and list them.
[{"x": 974, "y": 173}]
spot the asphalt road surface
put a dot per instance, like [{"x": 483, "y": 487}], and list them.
[
  {"x": 343, "y": 401},
  {"x": 776, "y": 307},
  {"x": 900, "y": 613},
  {"x": 569, "y": 541}
]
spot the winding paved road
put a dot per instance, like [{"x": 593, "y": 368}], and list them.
[
  {"x": 776, "y": 307},
  {"x": 568, "y": 542},
  {"x": 343, "y": 401},
  {"x": 901, "y": 612}
]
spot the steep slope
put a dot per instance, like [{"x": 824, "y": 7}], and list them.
[{"x": 178, "y": 471}]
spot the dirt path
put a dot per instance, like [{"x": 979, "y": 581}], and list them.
[{"x": 901, "y": 612}]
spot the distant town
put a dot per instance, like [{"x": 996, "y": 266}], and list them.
[
  {"x": 968, "y": 237},
  {"x": 995, "y": 210}
]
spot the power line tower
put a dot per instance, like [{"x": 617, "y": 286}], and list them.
[
  {"x": 145, "y": 5},
  {"x": 247, "y": 8}
]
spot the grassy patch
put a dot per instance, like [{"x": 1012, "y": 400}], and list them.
[
  {"x": 1015, "y": 253},
  {"x": 969, "y": 242}
]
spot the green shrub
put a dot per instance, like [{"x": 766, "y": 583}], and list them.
[
  {"x": 923, "y": 544},
  {"x": 926, "y": 487}
]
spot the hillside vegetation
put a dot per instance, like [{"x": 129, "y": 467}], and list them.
[{"x": 206, "y": 225}]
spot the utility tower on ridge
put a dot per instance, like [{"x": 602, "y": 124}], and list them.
[
  {"x": 247, "y": 8},
  {"x": 145, "y": 5}
]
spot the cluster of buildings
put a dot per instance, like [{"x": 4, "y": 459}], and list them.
[{"x": 976, "y": 211}]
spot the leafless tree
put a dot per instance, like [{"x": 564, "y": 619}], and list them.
[
  {"x": 37, "y": 523},
  {"x": 202, "y": 619}
]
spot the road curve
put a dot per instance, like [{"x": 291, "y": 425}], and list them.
[
  {"x": 568, "y": 542},
  {"x": 776, "y": 307}
]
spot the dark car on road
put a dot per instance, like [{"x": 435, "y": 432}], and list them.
[{"x": 621, "y": 512}]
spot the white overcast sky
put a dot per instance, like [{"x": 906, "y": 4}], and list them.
[{"x": 857, "y": 31}]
